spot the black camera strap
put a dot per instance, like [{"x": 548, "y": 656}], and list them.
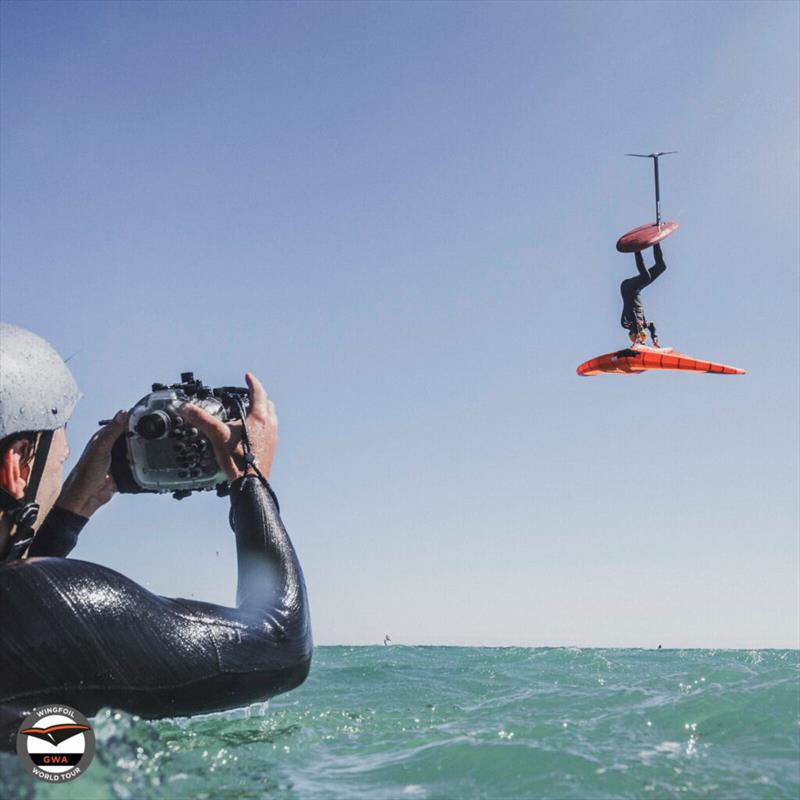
[
  {"x": 249, "y": 457},
  {"x": 23, "y": 513}
]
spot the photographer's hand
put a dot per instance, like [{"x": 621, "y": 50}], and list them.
[
  {"x": 226, "y": 438},
  {"x": 90, "y": 484}
]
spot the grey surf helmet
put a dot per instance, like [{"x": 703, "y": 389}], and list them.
[{"x": 37, "y": 394}]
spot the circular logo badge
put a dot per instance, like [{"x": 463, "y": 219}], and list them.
[{"x": 55, "y": 743}]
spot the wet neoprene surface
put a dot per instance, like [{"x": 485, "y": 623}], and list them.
[{"x": 84, "y": 635}]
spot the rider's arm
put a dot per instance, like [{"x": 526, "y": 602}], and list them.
[{"x": 640, "y": 266}]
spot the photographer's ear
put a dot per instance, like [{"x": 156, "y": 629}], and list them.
[{"x": 15, "y": 467}]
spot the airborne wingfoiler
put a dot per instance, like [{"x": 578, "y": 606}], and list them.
[{"x": 639, "y": 357}]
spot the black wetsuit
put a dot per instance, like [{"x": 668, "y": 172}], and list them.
[
  {"x": 84, "y": 635},
  {"x": 632, "y": 310}
]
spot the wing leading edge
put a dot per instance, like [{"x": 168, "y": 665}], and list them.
[{"x": 639, "y": 358}]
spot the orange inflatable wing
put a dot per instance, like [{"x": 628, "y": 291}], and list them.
[{"x": 640, "y": 358}]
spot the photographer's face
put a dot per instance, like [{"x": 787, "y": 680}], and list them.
[{"x": 53, "y": 475}]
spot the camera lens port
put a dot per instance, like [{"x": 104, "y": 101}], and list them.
[{"x": 154, "y": 425}]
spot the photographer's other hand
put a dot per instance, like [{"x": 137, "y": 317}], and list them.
[
  {"x": 226, "y": 438},
  {"x": 90, "y": 484}
]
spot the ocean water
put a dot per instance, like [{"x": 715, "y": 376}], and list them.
[{"x": 447, "y": 722}]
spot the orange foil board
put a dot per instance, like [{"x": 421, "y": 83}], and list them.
[
  {"x": 639, "y": 358},
  {"x": 645, "y": 236}
]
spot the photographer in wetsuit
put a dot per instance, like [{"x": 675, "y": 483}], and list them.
[
  {"x": 633, "y": 318},
  {"x": 84, "y": 635}
]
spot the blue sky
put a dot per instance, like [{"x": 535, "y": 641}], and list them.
[{"x": 402, "y": 217}]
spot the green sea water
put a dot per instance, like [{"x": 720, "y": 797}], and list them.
[{"x": 448, "y": 722}]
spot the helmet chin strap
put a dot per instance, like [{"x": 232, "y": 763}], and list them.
[{"x": 23, "y": 513}]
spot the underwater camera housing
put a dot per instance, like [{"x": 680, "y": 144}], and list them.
[{"x": 161, "y": 452}]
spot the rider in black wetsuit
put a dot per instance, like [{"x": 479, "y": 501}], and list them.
[
  {"x": 86, "y": 636},
  {"x": 633, "y": 318}
]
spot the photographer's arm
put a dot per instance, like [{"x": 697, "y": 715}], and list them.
[
  {"x": 58, "y": 534},
  {"x": 88, "y": 487},
  {"x": 269, "y": 575}
]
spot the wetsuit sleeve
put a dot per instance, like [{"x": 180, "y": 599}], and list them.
[
  {"x": 268, "y": 575},
  {"x": 642, "y": 268},
  {"x": 58, "y": 534},
  {"x": 660, "y": 266}
]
